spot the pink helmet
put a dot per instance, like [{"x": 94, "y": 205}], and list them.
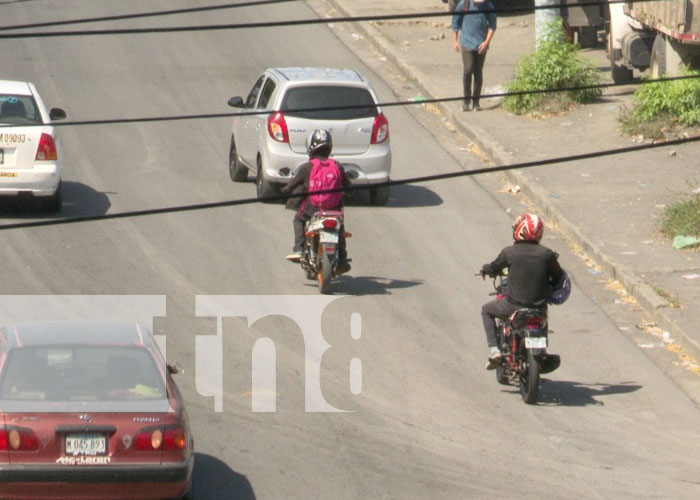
[{"x": 528, "y": 227}]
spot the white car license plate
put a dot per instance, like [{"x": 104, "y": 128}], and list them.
[
  {"x": 327, "y": 237},
  {"x": 536, "y": 342},
  {"x": 86, "y": 444}
]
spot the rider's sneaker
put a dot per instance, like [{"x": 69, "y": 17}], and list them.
[
  {"x": 343, "y": 266},
  {"x": 294, "y": 256},
  {"x": 494, "y": 358}
]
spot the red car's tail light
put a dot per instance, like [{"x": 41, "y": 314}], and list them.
[
  {"x": 18, "y": 439},
  {"x": 277, "y": 127},
  {"x": 380, "y": 129},
  {"x": 47, "y": 149},
  {"x": 330, "y": 223},
  {"x": 174, "y": 439},
  {"x": 155, "y": 438}
]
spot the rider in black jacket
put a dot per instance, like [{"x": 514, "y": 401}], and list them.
[{"x": 533, "y": 272}]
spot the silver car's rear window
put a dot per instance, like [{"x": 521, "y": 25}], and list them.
[
  {"x": 359, "y": 101},
  {"x": 81, "y": 373},
  {"x": 18, "y": 110}
]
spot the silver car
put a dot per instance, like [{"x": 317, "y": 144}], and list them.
[{"x": 286, "y": 104}]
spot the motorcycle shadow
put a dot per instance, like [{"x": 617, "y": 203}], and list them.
[
  {"x": 567, "y": 393},
  {"x": 348, "y": 284}
]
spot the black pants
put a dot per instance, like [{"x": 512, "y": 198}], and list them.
[
  {"x": 473, "y": 68},
  {"x": 299, "y": 222},
  {"x": 497, "y": 308}
]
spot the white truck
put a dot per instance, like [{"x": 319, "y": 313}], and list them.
[{"x": 660, "y": 35}]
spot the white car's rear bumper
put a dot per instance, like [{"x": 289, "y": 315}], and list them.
[{"x": 41, "y": 180}]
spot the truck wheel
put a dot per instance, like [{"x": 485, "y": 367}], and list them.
[
  {"x": 620, "y": 74},
  {"x": 587, "y": 36},
  {"x": 658, "y": 67}
]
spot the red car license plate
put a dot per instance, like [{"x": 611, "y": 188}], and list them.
[{"x": 86, "y": 444}]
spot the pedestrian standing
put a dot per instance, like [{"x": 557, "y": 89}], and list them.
[{"x": 471, "y": 34}]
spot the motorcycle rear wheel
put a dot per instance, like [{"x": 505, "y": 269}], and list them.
[
  {"x": 530, "y": 380},
  {"x": 325, "y": 274}
]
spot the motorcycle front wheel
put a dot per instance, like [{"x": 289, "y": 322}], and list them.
[
  {"x": 324, "y": 274},
  {"x": 530, "y": 379}
]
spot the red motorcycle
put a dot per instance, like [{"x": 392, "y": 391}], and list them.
[{"x": 523, "y": 340}]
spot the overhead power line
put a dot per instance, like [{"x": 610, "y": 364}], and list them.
[
  {"x": 112, "y": 121},
  {"x": 160, "y": 13},
  {"x": 412, "y": 180},
  {"x": 298, "y": 22}
]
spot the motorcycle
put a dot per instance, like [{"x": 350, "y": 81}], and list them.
[
  {"x": 319, "y": 256},
  {"x": 523, "y": 339}
]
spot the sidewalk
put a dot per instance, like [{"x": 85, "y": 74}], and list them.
[{"x": 610, "y": 206}]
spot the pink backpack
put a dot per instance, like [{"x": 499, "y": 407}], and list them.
[{"x": 325, "y": 175}]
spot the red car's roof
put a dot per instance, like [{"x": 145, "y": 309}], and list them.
[{"x": 76, "y": 333}]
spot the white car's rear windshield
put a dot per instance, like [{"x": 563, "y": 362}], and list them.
[
  {"x": 359, "y": 102},
  {"x": 80, "y": 373},
  {"x": 18, "y": 110}
]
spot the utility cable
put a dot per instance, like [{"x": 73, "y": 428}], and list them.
[
  {"x": 412, "y": 180},
  {"x": 112, "y": 121},
  {"x": 299, "y": 22}
]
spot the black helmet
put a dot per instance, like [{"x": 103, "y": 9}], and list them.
[{"x": 319, "y": 143}]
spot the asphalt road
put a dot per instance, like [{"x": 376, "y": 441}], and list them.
[{"x": 429, "y": 422}]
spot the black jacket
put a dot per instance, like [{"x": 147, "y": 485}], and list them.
[
  {"x": 533, "y": 271},
  {"x": 300, "y": 184}
]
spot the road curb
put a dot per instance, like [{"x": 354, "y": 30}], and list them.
[{"x": 641, "y": 291}]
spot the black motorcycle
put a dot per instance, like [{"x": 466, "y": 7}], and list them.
[{"x": 523, "y": 339}]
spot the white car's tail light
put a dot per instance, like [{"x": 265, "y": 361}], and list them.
[
  {"x": 277, "y": 127},
  {"x": 380, "y": 129},
  {"x": 47, "y": 149}
]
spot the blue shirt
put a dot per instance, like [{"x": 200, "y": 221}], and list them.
[{"x": 473, "y": 27}]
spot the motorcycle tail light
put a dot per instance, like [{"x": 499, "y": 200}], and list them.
[{"x": 330, "y": 223}]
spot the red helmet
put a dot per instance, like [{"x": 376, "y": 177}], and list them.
[{"x": 528, "y": 227}]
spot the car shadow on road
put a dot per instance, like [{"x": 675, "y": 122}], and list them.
[
  {"x": 368, "y": 285},
  {"x": 400, "y": 196},
  {"x": 212, "y": 479},
  {"x": 568, "y": 393},
  {"x": 79, "y": 200}
]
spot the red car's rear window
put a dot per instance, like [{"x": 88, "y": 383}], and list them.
[{"x": 81, "y": 373}]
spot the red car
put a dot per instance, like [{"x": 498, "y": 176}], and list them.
[{"x": 89, "y": 410}]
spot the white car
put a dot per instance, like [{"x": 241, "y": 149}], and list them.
[
  {"x": 282, "y": 110},
  {"x": 30, "y": 150}
]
